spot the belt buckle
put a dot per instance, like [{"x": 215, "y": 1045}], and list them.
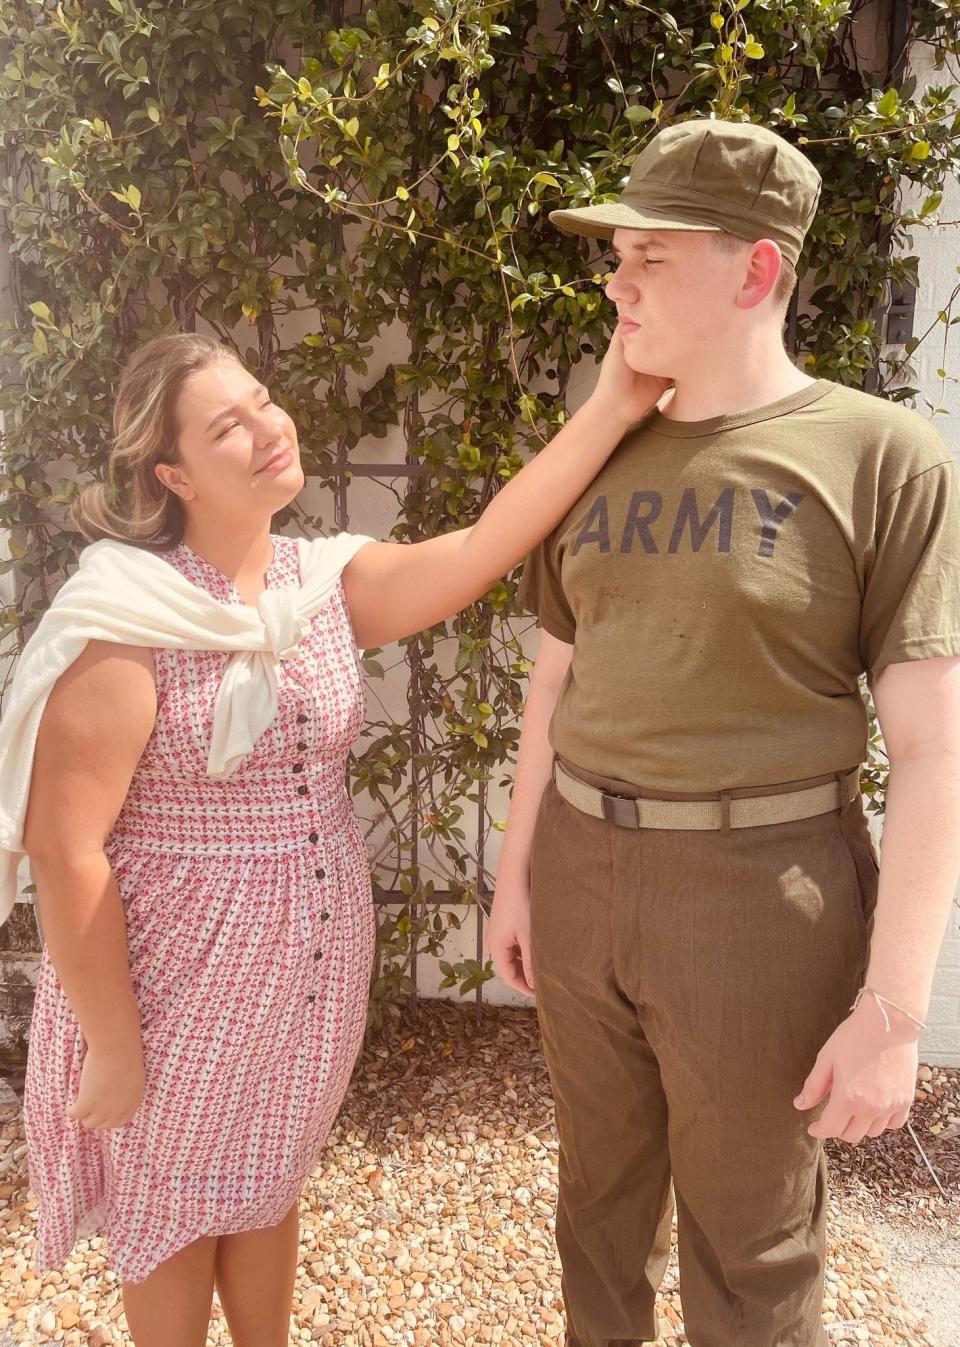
[{"x": 619, "y": 809}]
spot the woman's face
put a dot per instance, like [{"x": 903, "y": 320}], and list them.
[{"x": 238, "y": 454}]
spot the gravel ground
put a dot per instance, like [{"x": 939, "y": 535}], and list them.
[{"x": 429, "y": 1218}]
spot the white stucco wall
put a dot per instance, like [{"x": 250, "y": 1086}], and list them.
[{"x": 939, "y": 251}]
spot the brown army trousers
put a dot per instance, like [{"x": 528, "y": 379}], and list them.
[{"x": 685, "y": 982}]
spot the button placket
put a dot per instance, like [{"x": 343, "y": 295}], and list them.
[{"x": 319, "y": 874}]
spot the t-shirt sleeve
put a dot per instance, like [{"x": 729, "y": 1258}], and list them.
[
  {"x": 911, "y": 602},
  {"x": 540, "y": 592}
]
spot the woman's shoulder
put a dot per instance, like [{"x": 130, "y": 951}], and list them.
[
  {"x": 322, "y": 559},
  {"x": 106, "y": 681},
  {"x": 285, "y": 567},
  {"x": 109, "y": 662}
]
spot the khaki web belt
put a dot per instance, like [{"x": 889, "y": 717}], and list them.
[{"x": 729, "y": 811}]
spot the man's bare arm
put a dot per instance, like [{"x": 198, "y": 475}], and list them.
[
  {"x": 918, "y": 707},
  {"x": 508, "y": 933},
  {"x": 868, "y": 1065}
]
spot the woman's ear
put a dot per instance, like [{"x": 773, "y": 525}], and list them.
[{"x": 175, "y": 480}]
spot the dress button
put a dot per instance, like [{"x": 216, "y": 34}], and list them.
[
  {"x": 298, "y": 766},
  {"x": 302, "y": 790},
  {"x": 318, "y": 954},
  {"x": 314, "y": 837},
  {"x": 301, "y": 719},
  {"x": 320, "y": 874},
  {"x": 301, "y": 747},
  {"x": 312, "y": 997},
  {"x": 324, "y": 916}
]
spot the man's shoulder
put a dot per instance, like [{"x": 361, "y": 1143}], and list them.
[{"x": 875, "y": 416}]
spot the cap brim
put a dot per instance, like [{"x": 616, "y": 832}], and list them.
[{"x": 599, "y": 222}]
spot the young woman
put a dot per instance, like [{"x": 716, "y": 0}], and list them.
[{"x": 201, "y": 877}]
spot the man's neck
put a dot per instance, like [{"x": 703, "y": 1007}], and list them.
[{"x": 740, "y": 383}]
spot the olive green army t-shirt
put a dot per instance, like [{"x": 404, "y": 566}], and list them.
[{"x": 724, "y": 583}]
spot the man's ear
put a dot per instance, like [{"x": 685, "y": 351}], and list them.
[
  {"x": 175, "y": 480},
  {"x": 763, "y": 268}
]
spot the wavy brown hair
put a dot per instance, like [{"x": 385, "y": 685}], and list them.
[{"x": 132, "y": 504}]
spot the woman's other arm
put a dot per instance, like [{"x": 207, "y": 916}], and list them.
[{"x": 94, "y": 728}]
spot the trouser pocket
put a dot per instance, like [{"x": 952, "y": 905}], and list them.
[{"x": 855, "y": 831}]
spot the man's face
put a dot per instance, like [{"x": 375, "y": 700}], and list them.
[{"x": 675, "y": 293}]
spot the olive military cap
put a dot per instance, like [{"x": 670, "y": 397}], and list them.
[{"x": 710, "y": 176}]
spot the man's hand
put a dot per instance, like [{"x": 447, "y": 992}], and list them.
[
  {"x": 869, "y": 1074},
  {"x": 508, "y": 936},
  {"x": 621, "y": 392}
]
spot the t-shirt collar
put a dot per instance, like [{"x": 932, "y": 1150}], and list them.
[{"x": 682, "y": 430}]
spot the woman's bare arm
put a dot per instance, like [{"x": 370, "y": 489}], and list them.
[
  {"x": 94, "y": 728},
  {"x": 396, "y": 589}
]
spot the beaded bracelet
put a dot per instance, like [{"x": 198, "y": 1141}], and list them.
[{"x": 880, "y": 1000}]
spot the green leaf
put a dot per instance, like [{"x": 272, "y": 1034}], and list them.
[
  {"x": 548, "y": 178},
  {"x": 888, "y": 105},
  {"x": 920, "y": 149},
  {"x": 754, "y": 50},
  {"x": 130, "y": 196},
  {"x": 930, "y": 204}
]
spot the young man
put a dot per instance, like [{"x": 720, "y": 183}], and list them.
[{"x": 687, "y": 879}]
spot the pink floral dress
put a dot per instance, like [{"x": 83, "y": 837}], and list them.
[{"x": 251, "y": 933}]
